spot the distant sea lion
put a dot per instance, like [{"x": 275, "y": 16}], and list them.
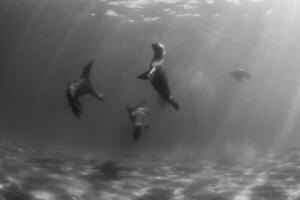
[
  {"x": 139, "y": 117},
  {"x": 240, "y": 74},
  {"x": 157, "y": 76},
  {"x": 80, "y": 87}
]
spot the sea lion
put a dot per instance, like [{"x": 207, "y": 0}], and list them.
[
  {"x": 157, "y": 76},
  {"x": 240, "y": 74},
  {"x": 139, "y": 117},
  {"x": 80, "y": 87}
]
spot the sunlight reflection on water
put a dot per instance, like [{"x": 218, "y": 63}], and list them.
[{"x": 261, "y": 179}]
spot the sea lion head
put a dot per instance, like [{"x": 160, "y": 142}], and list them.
[{"x": 159, "y": 49}]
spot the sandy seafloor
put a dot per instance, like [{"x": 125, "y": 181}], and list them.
[{"x": 29, "y": 175}]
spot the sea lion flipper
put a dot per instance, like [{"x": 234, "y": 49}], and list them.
[
  {"x": 144, "y": 76},
  {"x": 97, "y": 94},
  {"x": 86, "y": 70},
  {"x": 129, "y": 109}
]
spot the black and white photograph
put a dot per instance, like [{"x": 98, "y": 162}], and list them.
[{"x": 149, "y": 99}]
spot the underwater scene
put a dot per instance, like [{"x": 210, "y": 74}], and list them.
[{"x": 149, "y": 100}]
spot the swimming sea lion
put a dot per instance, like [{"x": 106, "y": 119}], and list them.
[
  {"x": 240, "y": 74},
  {"x": 157, "y": 76},
  {"x": 79, "y": 88},
  {"x": 139, "y": 117}
]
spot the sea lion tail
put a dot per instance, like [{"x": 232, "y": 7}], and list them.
[
  {"x": 144, "y": 76},
  {"x": 76, "y": 109},
  {"x": 174, "y": 103},
  {"x": 75, "y": 105},
  {"x": 137, "y": 133}
]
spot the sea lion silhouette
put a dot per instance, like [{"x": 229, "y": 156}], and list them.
[
  {"x": 240, "y": 74},
  {"x": 80, "y": 87},
  {"x": 157, "y": 76},
  {"x": 139, "y": 117}
]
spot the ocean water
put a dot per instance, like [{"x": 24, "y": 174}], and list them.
[
  {"x": 230, "y": 140},
  {"x": 32, "y": 175}
]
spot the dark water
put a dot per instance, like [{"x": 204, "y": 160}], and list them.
[{"x": 229, "y": 139}]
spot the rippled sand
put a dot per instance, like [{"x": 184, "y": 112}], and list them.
[{"x": 25, "y": 176}]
